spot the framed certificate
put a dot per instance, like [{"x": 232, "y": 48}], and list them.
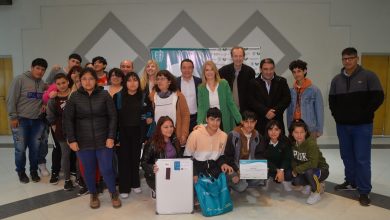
[{"x": 253, "y": 169}]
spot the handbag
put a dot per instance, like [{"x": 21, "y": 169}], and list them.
[{"x": 213, "y": 195}]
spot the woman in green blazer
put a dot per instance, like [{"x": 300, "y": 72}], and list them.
[{"x": 215, "y": 92}]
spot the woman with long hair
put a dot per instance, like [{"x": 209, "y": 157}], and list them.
[
  {"x": 132, "y": 107},
  {"x": 148, "y": 77},
  {"x": 163, "y": 144},
  {"x": 215, "y": 92}
]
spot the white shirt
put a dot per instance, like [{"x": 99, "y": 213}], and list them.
[
  {"x": 165, "y": 107},
  {"x": 273, "y": 144},
  {"x": 267, "y": 82},
  {"x": 188, "y": 90},
  {"x": 213, "y": 97}
]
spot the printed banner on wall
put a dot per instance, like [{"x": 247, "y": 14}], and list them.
[{"x": 170, "y": 58}]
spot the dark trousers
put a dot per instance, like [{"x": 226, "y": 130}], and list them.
[
  {"x": 73, "y": 162},
  {"x": 44, "y": 146},
  {"x": 287, "y": 175},
  {"x": 151, "y": 181},
  {"x": 55, "y": 155},
  {"x": 355, "y": 151},
  {"x": 310, "y": 177},
  {"x": 129, "y": 158},
  {"x": 193, "y": 123},
  {"x": 90, "y": 159}
]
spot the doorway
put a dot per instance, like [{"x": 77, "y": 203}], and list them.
[
  {"x": 6, "y": 75},
  {"x": 380, "y": 65}
]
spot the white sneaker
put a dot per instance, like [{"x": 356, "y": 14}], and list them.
[
  {"x": 43, "y": 170},
  {"x": 124, "y": 195},
  {"x": 253, "y": 192},
  {"x": 306, "y": 190},
  {"x": 313, "y": 198},
  {"x": 137, "y": 190},
  {"x": 287, "y": 186},
  {"x": 267, "y": 183}
]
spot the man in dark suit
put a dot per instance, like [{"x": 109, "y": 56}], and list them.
[
  {"x": 269, "y": 95},
  {"x": 238, "y": 76},
  {"x": 188, "y": 85}
]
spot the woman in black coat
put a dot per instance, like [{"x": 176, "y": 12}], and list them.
[{"x": 90, "y": 123}]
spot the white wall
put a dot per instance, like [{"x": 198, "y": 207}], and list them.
[{"x": 317, "y": 29}]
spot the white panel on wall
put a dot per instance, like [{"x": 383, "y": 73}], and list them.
[
  {"x": 267, "y": 47},
  {"x": 113, "y": 48}
]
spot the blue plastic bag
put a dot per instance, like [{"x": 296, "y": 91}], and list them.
[{"x": 213, "y": 195}]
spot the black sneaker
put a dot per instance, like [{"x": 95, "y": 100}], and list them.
[
  {"x": 346, "y": 186},
  {"x": 82, "y": 191},
  {"x": 153, "y": 194},
  {"x": 34, "y": 176},
  {"x": 54, "y": 178},
  {"x": 364, "y": 200},
  {"x": 23, "y": 178},
  {"x": 68, "y": 186}
]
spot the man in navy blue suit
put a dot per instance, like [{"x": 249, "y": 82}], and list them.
[{"x": 188, "y": 85}]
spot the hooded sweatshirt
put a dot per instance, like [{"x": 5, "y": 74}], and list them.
[
  {"x": 202, "y": 146},
  {"x": 307, "y": 155},
  {"x": 25, "y": 97}
]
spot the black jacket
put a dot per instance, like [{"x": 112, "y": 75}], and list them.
[
  {"x": 150, "y": 155},
  {"x": 145, "y": 109},
  {"x": 261, "y": 102},
  {"x": 278, "y": 157},
  {"x": 90, "y": 120},
  {"x": 353, "y": 100},
  {"x": 244, "y": 77}
]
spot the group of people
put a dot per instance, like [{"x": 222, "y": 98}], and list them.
[{"x": 225, "y": 116}]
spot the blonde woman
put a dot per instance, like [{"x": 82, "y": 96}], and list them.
[
  {"x": 148, "y": 78},
  {"x": 215, "y": 92}
]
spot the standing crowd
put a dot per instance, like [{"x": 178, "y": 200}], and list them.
[{"x": 102, "y": 121}]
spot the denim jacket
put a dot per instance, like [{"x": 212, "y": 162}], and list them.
[{"x": 312, "y": 108}]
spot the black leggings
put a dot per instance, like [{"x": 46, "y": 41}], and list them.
[{"x": 309, "y": 178}]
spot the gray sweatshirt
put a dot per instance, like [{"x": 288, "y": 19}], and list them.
[{"x": 25, "y": 97}]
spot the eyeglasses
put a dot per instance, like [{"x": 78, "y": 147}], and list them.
[
  {"x": 161, "y": 78},
  {"x": 348, "y": 58}
]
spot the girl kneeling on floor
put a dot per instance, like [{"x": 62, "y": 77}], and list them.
[
  {"x": 276, "y": 149},
  {"x": 309, "y": 167},
  {"x": 162, "y": 145}
]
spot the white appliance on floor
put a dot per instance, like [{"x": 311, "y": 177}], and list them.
[{"x": 174, "y": 186}]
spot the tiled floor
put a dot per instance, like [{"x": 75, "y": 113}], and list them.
[{"x": 271, "y": 204}]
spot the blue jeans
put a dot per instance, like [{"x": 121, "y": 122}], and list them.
[
  {"x": 355, "y": 151},
  {"x": 28, "y": 134},
  {"x": 44, "y": 147},
  {"x": 103, "y": 158}
]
